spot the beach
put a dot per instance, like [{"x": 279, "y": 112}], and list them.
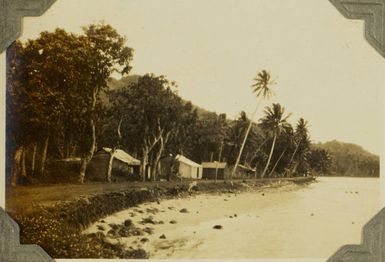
[{"x": 281, "y": 221}]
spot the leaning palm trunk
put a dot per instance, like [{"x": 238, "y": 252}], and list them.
[
  {"x": 270, "y": 155},
  {"x": 276, "y": 163},
  {"x": 255, "y": 154},
  {"x": 295, "y": 151},
  {"x": 245, "y": 139}
]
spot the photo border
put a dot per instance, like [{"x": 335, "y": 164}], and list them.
[{"x": 373, "y": 236}]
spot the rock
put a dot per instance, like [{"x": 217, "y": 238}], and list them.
[
  {"x": 128, "y": 223},
  {"x": 162, "y": 236},
  {"x": 217, "y": 227},
  {"x": 152, "y": 210},
  {"x": 225, "y": 199},
  {"x": 137, "y": 254},
  {"x": 171, "y": 208},
  {"x": 160, "y": 222},
  {"x": 235, "y": 215},
  {"x": 124, "y": 232},
  {"x": 183, "y": 210},
  {"x": 148, "y": 230},
  {"x": 312, "y": 214},
  {"x": 230, "y": 216},
  {"x": 144, "y": 240},
  {"x": 173, "y": 222},
  {"x": 263, "y": 194},
  {"x": 112, "y": 232},
  {"x": 136, "y": 232},
  {"x": 114, "y": 226},
  {"x": 101, "y": 228},
  {"x": 148, "y": 220},
  {"x": 102, "y": 221}
]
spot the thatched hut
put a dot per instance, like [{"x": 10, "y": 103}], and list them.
[{"x": 124, "y": 166}]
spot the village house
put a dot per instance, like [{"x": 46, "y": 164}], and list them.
[
  {"x": 181, "y": 167},
  {"x": 213, "y": 170},
  {"x": 124, "y": 166}
]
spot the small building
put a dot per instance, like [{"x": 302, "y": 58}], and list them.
[
  {"x": 212, "y": 170},
  {"x": 180, "y": 166},
  {"x": 124, "y": 166}
]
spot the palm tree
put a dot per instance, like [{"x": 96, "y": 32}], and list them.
[
  {"x": 262, "y": 89},
  {"x": 301, "y": 138},
  {"x": 274, "y": 122},
  {"x": 288, "y": 135}
]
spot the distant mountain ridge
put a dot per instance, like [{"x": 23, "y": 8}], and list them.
[{"x": 349, "y": 159}]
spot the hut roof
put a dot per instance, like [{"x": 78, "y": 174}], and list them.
[
  {"x": 187, "y": 161},
  {"x": 124, "y": 157},
  {"x": 214, "y": 164}
]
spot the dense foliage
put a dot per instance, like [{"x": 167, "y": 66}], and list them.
[{"x": 63, "y": 103}]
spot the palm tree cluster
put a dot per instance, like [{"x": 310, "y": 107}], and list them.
[{"x": 274, "y": 126}]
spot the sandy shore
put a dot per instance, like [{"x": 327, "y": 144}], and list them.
[{"x": 290, "y": 221}]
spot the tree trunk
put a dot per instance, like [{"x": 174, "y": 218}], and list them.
[
  {"x": 295, "y": 151},
  {"x": 109, "y": 167},
  {"x": 144, "y": 164},
  {"x": 245, "y": 160},
  {"x": 44, "y": 156},
  {"x": 155, "y": 170},
  {"x": 89, "y": 154},
  {"x": 255, "y": 154},
  {"x": 244, "y": 140},
  {"x": 23, "y": 166},
  {"x": 276, "y": 163},
  {"x": 219, "y": 160},
  {"x": 33, "y": 161},
  {"x": 270, "y": 155},
  {"x": 17, "y": 168}
]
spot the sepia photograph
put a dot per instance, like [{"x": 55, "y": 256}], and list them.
[{"x": 180, "y": 129}]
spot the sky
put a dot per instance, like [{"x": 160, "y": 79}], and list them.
[{"x": 325, "y": 70}]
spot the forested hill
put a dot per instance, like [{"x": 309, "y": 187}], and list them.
[
  {"x": 350, "y": 159},
  {"x": 116, "y": 84}
]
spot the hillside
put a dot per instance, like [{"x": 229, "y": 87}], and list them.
[
  {"x": 350, "y": 159},
  {"x": 116, "y": 84}
]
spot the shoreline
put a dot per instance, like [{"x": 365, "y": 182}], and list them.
[{"x": 58, "y": 228}]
